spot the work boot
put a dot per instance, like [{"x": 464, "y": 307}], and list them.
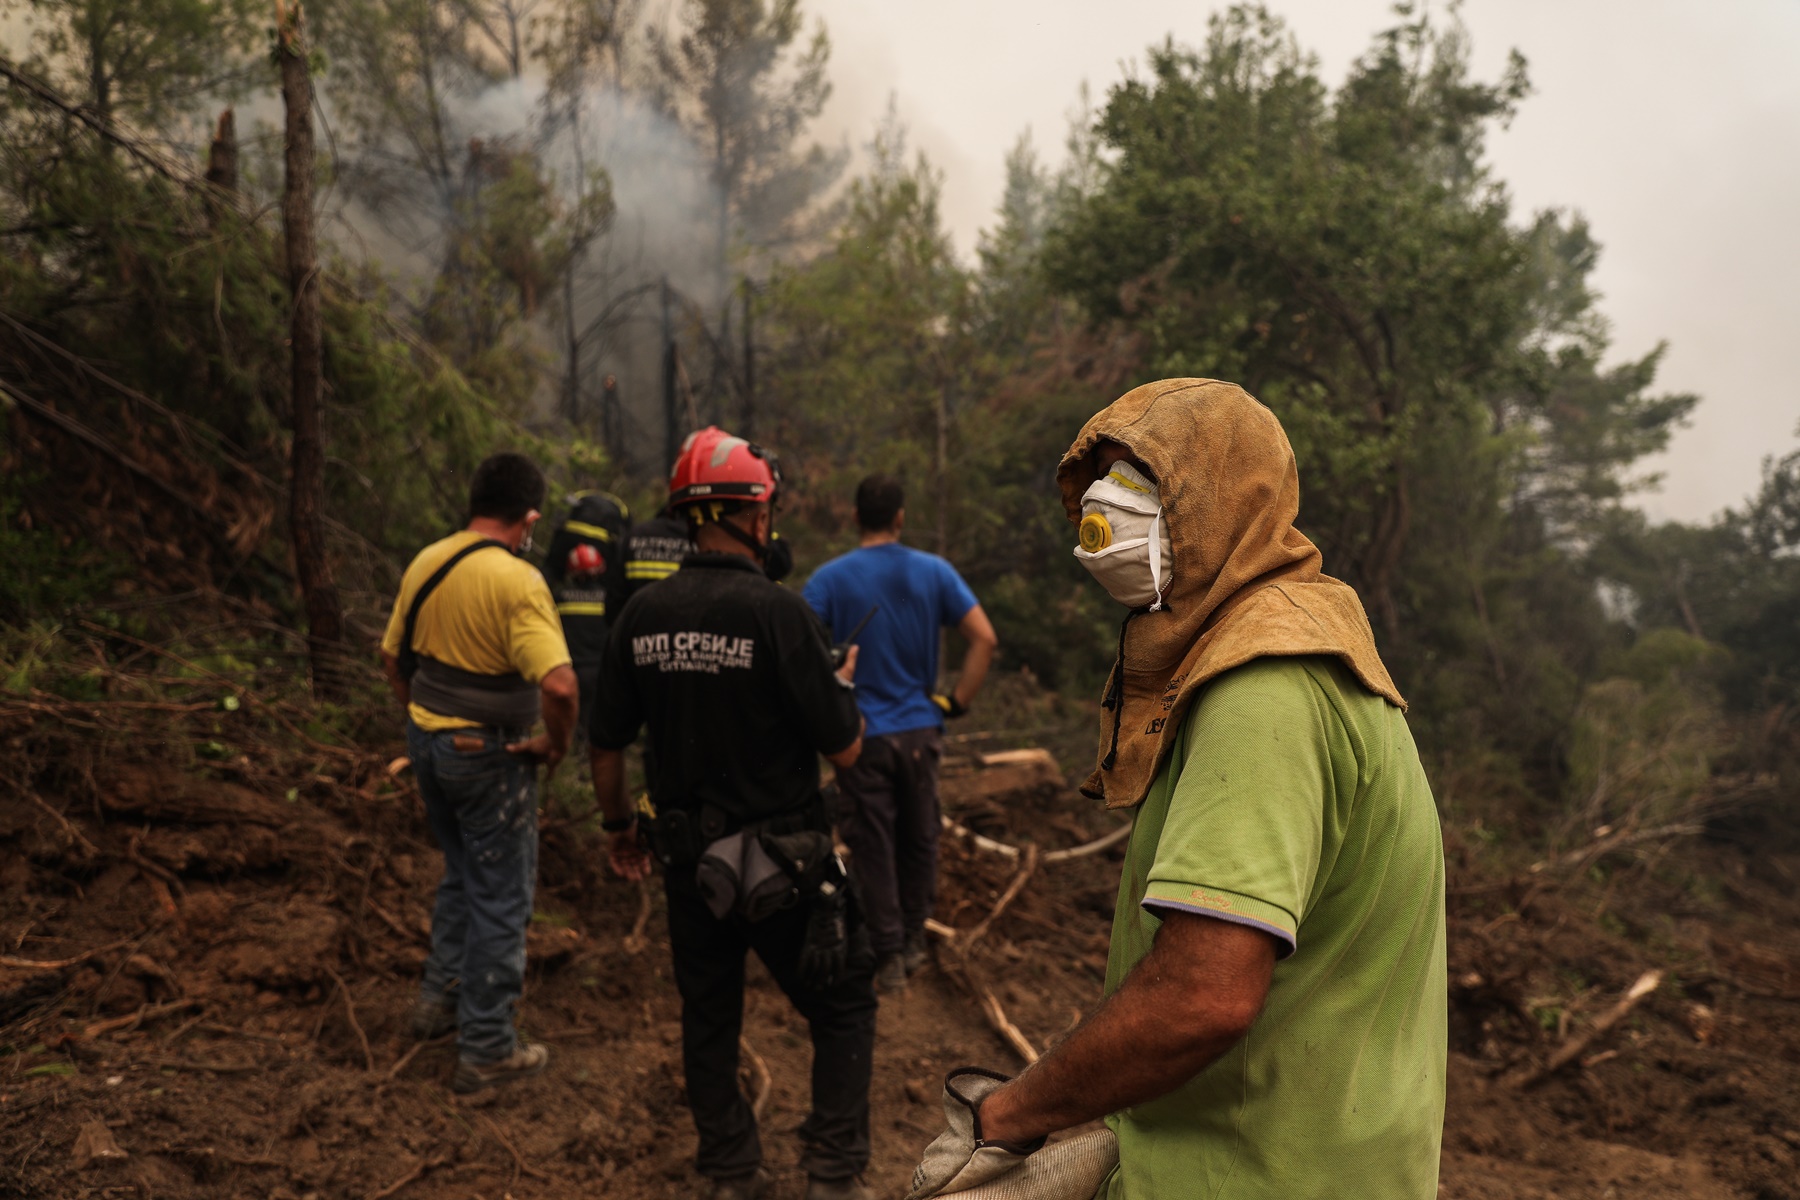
[
  {"x": 915, "y": 954},
  {"x": 742, "y": 1187},
  {"x": 432, "y": 1017},
  {"x": 850, "y": 1188},
  {"x": 522, "y": 1063},
  {"x": 890, "y": 974}
]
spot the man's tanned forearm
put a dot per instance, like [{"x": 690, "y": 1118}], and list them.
[
  {"x": 978, "y": 631},
  {"x": 561, "y": 695},
  {"x": 402, "y": 688},
  {"x": 1189, "y": 1001}
]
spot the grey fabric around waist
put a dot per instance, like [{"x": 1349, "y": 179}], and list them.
[{"x": 506, "y": 700}]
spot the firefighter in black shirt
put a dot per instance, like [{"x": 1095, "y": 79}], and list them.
[
  {"x": 584, "y": 567},
  {"x": 735, "y": 679},
  {"x": 654, "y": 550}
]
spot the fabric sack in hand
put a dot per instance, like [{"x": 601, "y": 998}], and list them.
[{"x": 1073, "y": 1169}]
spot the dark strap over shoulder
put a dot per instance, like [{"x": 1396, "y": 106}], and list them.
[{"x": 409, "y": 657}]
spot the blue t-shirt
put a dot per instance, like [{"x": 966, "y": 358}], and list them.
[{"x": 917, "y": 593}]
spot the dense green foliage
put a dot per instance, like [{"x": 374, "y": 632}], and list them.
[
  {"x": 153, "y": 317},
  {"x": 1346, "y": 256},
  {"x": 1468, "y": 446}
]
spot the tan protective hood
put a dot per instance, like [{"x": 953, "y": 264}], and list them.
[{"x": 1246, "y": 584}]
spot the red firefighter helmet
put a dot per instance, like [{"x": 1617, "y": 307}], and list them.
[
  {"x": 585, "y": 560},
  {"x": 714, "y": 465}
]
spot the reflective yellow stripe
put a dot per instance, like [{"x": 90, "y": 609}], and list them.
[
  {"x": 650, "y": 570},
  {"x": 586, "y": 530},
  {"x": 582, "y": 608}
]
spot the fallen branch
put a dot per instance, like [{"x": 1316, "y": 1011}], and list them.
[
  {"x": 1094, "y": 847},
  {"x": 68, "y": 827},
  {"x": 60, "y": 963},
  {"x": 350, "y": 1011},
  {"x": 229, "y": 1031},
  {"x": 759, "y": 1074},
  {"x": 1572, "y": 1049},
  {"x": 207, "y": 1153},
  {"x": 635, "y": 941},
  {"x": 425, "y": 1164},
  {"x": 967, "y": 941},
  {"x": 520, "y": 1166},
  {"x": 399, "y": 1066},
  {"x": 996, "y": 1017},
  {"x": 1617, "y": 841},
  {"x": 154, "y": 870},
  {"x": 176, "y": 1034},
  {"x": 981, "y": 842},
  {"x": 393, "y": 922},
  {"x": 177, "y": 1064},
  {"x": 148, "y": 1012}
]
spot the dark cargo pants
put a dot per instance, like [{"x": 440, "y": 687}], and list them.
[
  {"x": 709, "y": 972},
  {"x": 892, "y": 830}
]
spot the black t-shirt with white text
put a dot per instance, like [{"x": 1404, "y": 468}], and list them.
[{"x": 732, "y": 674}]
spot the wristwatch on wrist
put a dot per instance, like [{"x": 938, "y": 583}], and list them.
[{"x": 620, "y": 825}]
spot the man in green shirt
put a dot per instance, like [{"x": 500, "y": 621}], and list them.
[{"x": 1274, "y": 1024}]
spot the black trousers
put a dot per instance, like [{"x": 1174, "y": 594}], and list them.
[
  {"x": 892, "y": 831},
  {"x": 709, "y": 972}
]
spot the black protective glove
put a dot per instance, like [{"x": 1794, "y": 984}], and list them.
[
  {"x": 949, "y": 705},
  {"x": 825, "y": 952}
]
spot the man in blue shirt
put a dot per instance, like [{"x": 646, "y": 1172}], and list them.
[{"x": 893, "y": 825}]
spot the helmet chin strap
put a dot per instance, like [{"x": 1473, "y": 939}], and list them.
[{"x": 760, "y": 549}]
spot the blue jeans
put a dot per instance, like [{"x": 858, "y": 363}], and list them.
[{"x": 481, "y": 803}]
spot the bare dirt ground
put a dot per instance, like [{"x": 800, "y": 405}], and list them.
[{"x": 235, "y": 949}]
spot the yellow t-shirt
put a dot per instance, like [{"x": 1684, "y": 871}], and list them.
[{"x": 492, "y": 615}]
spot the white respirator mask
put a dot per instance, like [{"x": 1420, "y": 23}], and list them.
[{"x": 1124, "y": 540}]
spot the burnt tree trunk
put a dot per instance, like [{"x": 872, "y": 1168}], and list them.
[
  {"x": 306, "y": 485},
  {"x": 222, "y": 155},
  {"x": 222, "y": 168}
]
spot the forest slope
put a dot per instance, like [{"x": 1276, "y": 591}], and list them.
[{"x": 240, "y": 941}]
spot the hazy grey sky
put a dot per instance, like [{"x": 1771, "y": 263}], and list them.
[{"x": 1674, "y": 125}]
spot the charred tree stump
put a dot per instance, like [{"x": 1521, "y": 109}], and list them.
[{"x": 222, "y": 155}]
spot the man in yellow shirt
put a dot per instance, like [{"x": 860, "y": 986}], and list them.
[{"x": 475, "y": 652}]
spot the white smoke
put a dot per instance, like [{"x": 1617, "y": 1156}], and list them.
[{"x": 664, "y": 223}]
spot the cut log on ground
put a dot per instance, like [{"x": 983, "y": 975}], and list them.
[{"x": 1006, "y": 774}]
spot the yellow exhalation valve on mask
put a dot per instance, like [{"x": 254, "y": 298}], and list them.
[
  {"x": 1096, "y": 533},
  {"x": 1124, "y": 541}
]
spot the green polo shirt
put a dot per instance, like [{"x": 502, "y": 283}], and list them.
[{"x": 1295, "y": 803}]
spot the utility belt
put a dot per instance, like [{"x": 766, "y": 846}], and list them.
[
  {"x": 508, "y": 701},
  {"x": 752, "y": 869}
]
